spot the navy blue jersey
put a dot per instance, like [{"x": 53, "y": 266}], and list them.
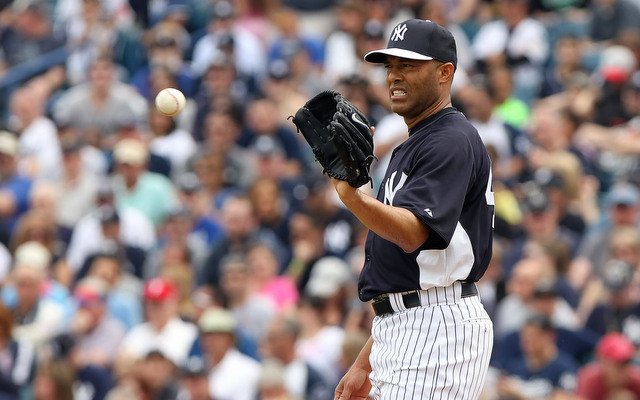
[
  {"x": 442, "y": 174},
  {"x": 559, "y": 373}
]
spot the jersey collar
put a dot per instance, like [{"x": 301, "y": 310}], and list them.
[{"x": 431, "y": 119}]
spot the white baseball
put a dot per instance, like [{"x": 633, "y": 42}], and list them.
[{"x": 170, "y": 101}]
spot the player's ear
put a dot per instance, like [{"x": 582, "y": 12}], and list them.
[{"x": 446, "y": 72}]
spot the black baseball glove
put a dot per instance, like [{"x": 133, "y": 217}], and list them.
[{"x": 339, "y": 135}]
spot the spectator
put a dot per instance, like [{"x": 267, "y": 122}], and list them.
[
  {"x": 54, "y": 381},
  {"x": 39, "y": 153},
  {"x": 98, "y": 106},
  {"x": 271, "y": 163},
  {"x": 265, "y": 278},
  {"x": 615, "y": 147},
  {"x": 509, "y": 142},
  {"x": 280, "y": 84},
  {"x": 306, "y": 231},
  {"x": 87, "y": 379},
  {"x": 622, "y": 210},
  {"x": 544, "y": 371},
  {"x": 241, "y": 231},
  {"x": 210, "y": 172},
  {"x": 135, "y": 231},
  {"x": 252, "y": 311},
  {"x": 150, "y": 193},
  {"x": 37, "y": 254},
  {"x": 261, "y": 122},
  {"x": 510, "y": 108},
  {"x": 319, "y": 344},
  {"x": 77, "y": 188},
  {"x": 341, "y": 59},
  {"x": 193, "y": 380},
  {"x": 221, "y": 135},
  {"x": 612, "y": 373},
  {"x": 176, "y": 235},
  {"x": 518, "y": 41},
  {"x": 40, "y": 225},
  {"x": 332, "y": 281},
  {"x": 166, "y": 45},
  {"x": 171, "y": 142},
  {"x": 540, "y": 225},
  {"x": 123, "y": 289},
  {"x": 133, "y": 258},
  {"x": 15, "y": 187},
  {"x": 37, "y": 317},
  {"x": 567, "y": 62},
  {"x": 157, "y": 376},
  {"x": 248, "y": 54},
  {"x": 280, "y": 344},
  {"x": 611, "y": 18},
  {"x": 193, "y": 197},
  {"x": 514, "y": 309},
  {"x": 98, "y": 333},
  {"x": 340, "y": 232},
  {"x": 217, "y": 327},
  {"x": 91, "y": 28},
  {"x": 272, "y": 205},
  {"x": 617, "y": 309},
  {"x": 568, "y": 201},
  {"x": 30, "y": 35},
  {"x": 18, "y": 369},
  {"x": 271, "y": 384},
  {"x": 163, "y": 330}
]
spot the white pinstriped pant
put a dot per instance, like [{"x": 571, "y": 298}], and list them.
[{"x": 440, "y": 350}]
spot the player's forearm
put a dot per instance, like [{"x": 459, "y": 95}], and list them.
[
  {"x": 362, "y": 361},
  {"x": 395, "y": 224}
]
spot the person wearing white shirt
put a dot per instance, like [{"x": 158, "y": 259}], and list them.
[
  {"x": 170, "y": 141},
  {"x": 163, "y": 331},
  {"x": 39, "y": 154},
  {"x": 520, "y": 41},
  {"x": 232, "y": 375},
  {"x": 224, "y": 33},
  {"x": 136, "y": 230}
]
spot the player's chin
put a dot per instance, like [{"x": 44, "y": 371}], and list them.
[{"x": 399, "y": 107}]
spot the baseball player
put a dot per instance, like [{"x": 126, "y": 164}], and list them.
[{"x": 430, "y": 235}]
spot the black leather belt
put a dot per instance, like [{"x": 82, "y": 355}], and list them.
[{"x": 382, "y": 304}]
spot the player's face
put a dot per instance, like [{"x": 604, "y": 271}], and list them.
[{"x": 413, "y": 86}]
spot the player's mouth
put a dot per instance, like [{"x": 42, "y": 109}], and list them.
[{"x": 397, "y": 94}]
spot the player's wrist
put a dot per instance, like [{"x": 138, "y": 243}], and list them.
[{"x": 347, "y": 193}]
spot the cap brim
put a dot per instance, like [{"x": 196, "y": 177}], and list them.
[{"x": 379, "y": 56}]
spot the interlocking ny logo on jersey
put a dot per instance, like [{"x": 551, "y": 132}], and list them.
[
  {"x": 398, "y": 32},
  {"x": 389, "y": 190}
]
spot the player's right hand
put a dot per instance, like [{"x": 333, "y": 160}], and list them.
[{"x": 355, "y": 385}]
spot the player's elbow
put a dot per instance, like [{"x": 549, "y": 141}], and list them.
[
  {"x": 415, "y": 238},
  {"x": 412, "y": 245}
]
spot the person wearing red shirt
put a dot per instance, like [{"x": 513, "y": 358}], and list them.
[{"x": 613, "y": 373}]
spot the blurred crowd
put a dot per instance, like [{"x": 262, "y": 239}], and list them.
[{"x": 206, "y": 256}]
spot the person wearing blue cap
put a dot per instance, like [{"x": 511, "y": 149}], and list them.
[{"x": 622, "y": 208}]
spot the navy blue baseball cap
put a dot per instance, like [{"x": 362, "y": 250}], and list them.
[{"x": 418, "y": 39}]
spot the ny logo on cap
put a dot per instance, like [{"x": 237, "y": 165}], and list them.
[{"x": 398, "y": 32}]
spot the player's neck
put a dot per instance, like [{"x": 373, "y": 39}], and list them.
[{"x": 439, "y": 105}]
